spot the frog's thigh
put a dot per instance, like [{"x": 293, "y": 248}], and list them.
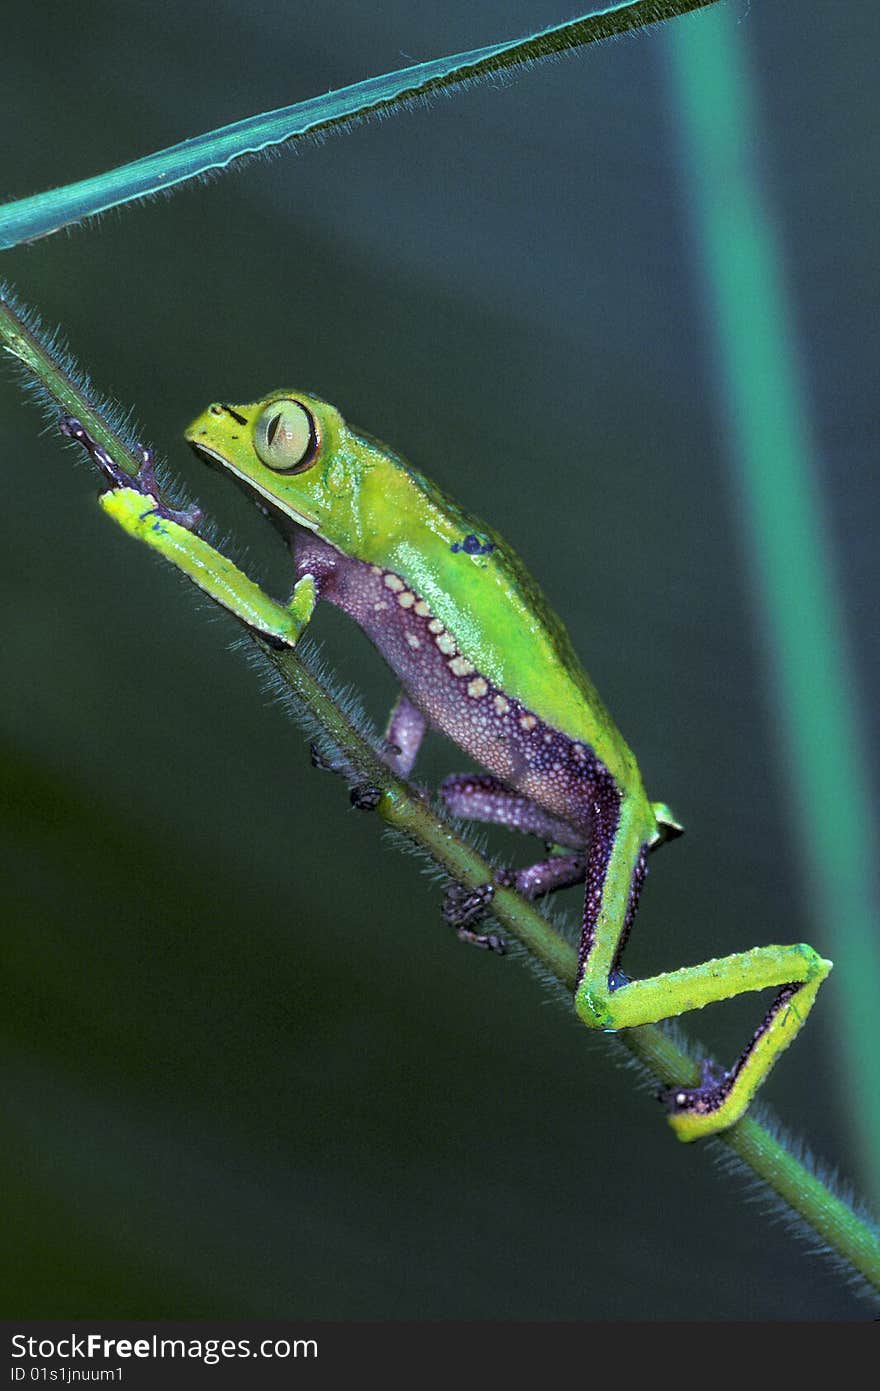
[{"x": 480, "y": 797}]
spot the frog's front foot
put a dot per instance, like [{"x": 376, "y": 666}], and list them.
[
  {"x": 462, "y": 908},
  {"x": 364, "y": 796},
  {"x": 327, "y": 763},
  {"x": 144, "y": 481}
]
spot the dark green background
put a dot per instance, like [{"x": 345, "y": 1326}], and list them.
[{"x": 246, "y": 1069}]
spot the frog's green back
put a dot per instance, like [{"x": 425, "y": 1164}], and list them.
[{"x": 493, "y": 606}]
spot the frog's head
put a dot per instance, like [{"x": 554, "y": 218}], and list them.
[{"x": 295, "y": 455}]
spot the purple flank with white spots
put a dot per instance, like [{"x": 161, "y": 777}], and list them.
[{"x": 511, "y": 742}]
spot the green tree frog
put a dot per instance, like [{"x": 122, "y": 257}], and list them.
[{"x": 481, "y": 657}]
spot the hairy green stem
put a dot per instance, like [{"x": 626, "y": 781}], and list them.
[{"x": 850, "y": 1238}]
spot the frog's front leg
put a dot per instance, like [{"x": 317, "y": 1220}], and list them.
[
  {"x": 135, "y": 505},
  {"x": 279, "y": 625},
  {"x": 616, "y": 868},
  {"x": 403, "y": 735}
]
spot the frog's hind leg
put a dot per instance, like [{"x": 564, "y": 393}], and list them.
[
  {"x": 480, "y": 797},
  {"x": 463, "y": 907},
  {"x": 605, "y": 999}
]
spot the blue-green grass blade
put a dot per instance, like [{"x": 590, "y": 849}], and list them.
[
  {"x": 27, "y": 219},
  {"x": 773, "y": 452}
]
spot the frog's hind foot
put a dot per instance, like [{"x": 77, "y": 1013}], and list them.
[
  {"x": 463, "y": 908},
  {"x": 704, "y": 1099},
  {"x": 486, "y": 941}
]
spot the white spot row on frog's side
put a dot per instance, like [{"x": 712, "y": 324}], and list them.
[
  {"x": 501, "y": 718},
  {"x": 444, "y": 641}
]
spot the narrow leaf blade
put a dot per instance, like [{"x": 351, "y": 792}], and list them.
[{"x": 28, "y": 219}]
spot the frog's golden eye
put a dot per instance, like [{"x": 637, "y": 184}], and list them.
[{"x": 286, "y": 437}]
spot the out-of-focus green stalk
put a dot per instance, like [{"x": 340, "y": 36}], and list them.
[{"x": 772, "y": 450}]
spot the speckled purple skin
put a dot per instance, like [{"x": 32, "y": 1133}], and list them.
[
  {"x": 542, "y": 782},
  {"x": 562, "y": 776}
]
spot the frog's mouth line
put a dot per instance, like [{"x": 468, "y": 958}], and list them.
[{"x": 282, "y": 515}]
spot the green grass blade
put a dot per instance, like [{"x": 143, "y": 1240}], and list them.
[
  {"x": 831, "y": 802},
  {"x": 27, "y": 219}
]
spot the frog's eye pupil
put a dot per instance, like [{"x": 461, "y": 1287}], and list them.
[{"x": 286, "y": 437}]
